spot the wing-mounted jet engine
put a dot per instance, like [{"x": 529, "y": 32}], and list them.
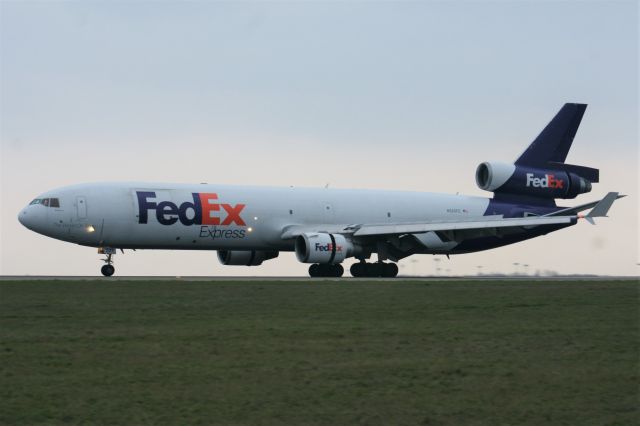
[
  {"x": 540, "y": 173},
  {"x": 325, "y": 251}
]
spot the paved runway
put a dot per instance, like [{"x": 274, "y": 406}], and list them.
[{"x": 304, "y": 278}]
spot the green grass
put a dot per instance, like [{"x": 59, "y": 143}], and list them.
[{"x": 295, "y": 353}]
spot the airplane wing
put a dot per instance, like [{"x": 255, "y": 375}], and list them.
[
  {"x": 390, "y": 229},
  {"x": 490, "y": 222},
  {"x": 459, "y": 230},
  {"x": 398, "y": 240},
  {"x": 293, "y": 231}
]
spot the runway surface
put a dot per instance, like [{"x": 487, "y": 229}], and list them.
[{"x": 304, "y": 278}]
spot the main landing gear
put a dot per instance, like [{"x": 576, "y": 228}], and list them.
[
  {"x": 358, "y": 270},
  {"x": 370, "y": 270},
  {"x": 108, "y": 269},
  {"x": 326, "y": 270}
]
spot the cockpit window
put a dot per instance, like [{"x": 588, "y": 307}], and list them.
[{"x": 49, "y": 202}]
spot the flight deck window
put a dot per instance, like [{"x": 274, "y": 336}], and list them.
[
  {"x": 45, "y": 202},
  {"x": 36, "y": 201},
  {"x": 54, "y": 202}
]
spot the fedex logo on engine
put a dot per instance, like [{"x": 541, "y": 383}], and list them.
[
  {"x": 548, "y": 181},
  {"x": 327, "y": 247},
  {"x": 204, "y": 210}
]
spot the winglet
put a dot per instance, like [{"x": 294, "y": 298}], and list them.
[{"x": 602, "y": 208}]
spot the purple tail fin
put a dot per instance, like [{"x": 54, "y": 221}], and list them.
[{"x": 550, "y": 148}]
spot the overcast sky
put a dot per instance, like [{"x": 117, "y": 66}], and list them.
[{"x": 393, "y": 95}]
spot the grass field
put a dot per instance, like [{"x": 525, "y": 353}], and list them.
[{"x": 334, "y": 353}]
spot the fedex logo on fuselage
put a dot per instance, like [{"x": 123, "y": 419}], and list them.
[
  {"x": 204, "y": 210},
  {"x": 548, "y": 181},
  {"x": 327, "y": 247}
]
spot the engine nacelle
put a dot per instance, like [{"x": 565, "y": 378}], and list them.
[
  {"x": 245, "y": 257},
  {"x": 319, "y": 247},
  {"x": 522, "y": 180}
]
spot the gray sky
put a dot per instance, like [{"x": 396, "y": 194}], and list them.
[{"x": 393, "y": 95}]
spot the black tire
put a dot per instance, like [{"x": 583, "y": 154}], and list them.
[
  {"x": 338, "y": 270},
  {"x": 390, "y": 270},
  {"x": 107, "y": 270},
  {"x": 357, "y": 270},
  {"x": 324, "y": 270},
  {"x": 373, "y": 270},
  {"x": 314, "y": 270}
]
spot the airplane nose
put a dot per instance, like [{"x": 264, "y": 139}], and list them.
[{"x": 24, "y": 218}]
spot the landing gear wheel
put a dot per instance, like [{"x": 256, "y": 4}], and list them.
[
  {"x": 326, "y": 270},
  {"x": 390, "y": 270},
  {"x": 107, "y": 270},
  {"x": 314, "y": 270},
  {"x": 357, "y": 269},
  {"x": 372, "y": 270}
]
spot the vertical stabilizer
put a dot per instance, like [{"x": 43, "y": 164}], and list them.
[{"x": 554, "y": 142}]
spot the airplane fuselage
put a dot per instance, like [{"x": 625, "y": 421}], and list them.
[{"x": 223, "y": 217}]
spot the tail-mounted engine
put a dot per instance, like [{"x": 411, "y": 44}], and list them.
[
  {"x": 313, "y": 247},
  {"x": 541, "y": 172},
  {"x": 536, "y": 182},
  {"x": 245, "y": 257}
]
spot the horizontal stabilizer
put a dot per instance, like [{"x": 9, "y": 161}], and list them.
[
  {"x": 577, "y": 209},
  {"x": 602, "y": 208}
]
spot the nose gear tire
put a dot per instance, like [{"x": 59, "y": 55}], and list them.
[{"x": 107, "y": 270}]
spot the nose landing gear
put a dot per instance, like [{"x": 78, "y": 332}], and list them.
[{"x": 108, "y": 269}]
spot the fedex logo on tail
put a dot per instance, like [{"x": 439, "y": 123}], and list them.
[
  {"x": 204, "y": 210},
  {"x": 548, "y": 181}
]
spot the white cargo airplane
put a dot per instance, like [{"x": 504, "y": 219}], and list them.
[{"x": 249, "y": 225}]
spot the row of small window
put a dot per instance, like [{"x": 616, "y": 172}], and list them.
[{"x": 49, "y": 202}]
